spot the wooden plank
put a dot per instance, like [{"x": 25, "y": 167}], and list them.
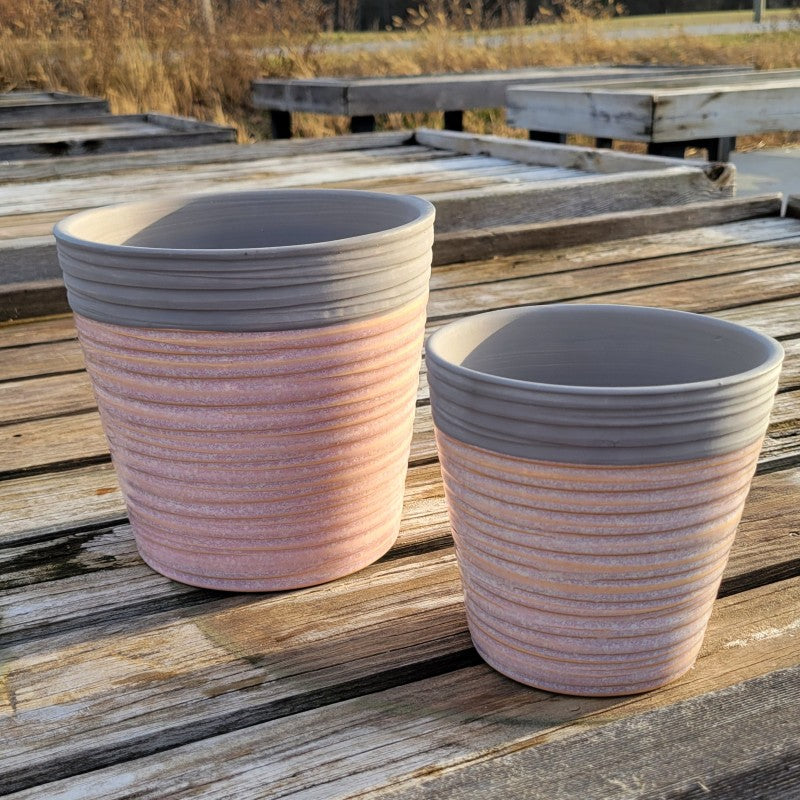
[
  {"x": 32, "y": 299},
  {"x": 117, "y": 133},
  {"x": 35, "y": 224},
  {"x": 399, "y": 739},
  {"x": 754, "y": 237},
  {"x": 599, "y": 194},
  {"x": 23, "y": 107},
  {"x": 260, "y": 643},
  {"x": 470, "y": 90},
  {"x": 456, "y": 246},
  {"x": 86, "y": 166},
  {"x": 595, "y": 160},
  {"x": 684, "y": 113},
  {"x": 123, "y": 689},
  {"x": 36, "y": 331},
  {"x": 76, "y": 193},
  {"x": 37, "y": 505},
  {"x": 741, "y": 743},
  {"x": 40, "y": 398},
  {"x": 51, "y": 442},
  {"x": 760, "y": 267},
  {"x": 40, "y": 359},
  {"x": 775, "y": 317}
]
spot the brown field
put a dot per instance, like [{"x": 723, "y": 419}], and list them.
[{"x": 156, "y": 56}]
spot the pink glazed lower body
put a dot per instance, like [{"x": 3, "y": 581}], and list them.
[
  {"x": 586, "y": 579},
  {"x": 260, "y": 461}
]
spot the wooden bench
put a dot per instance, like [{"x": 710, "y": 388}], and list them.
[
  {"x": 118, "y": 683},
  {"x": 362, "y": 98},
  {"x": 109, "y": 133},
  {"x": 31, "y": 108},
  {"x": 669, "y": 113}
]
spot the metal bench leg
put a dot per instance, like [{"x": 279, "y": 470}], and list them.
[
  {"x": 606, "y": 144},
  {"x": 670, "y": 149},
  {"x": 547, "y": 136},
  {"x": 281, "y": 123},
  {"x": 362, "y": 124},
  {"x": 454, "y": 120},
  {"x": 720, "y": 149}
]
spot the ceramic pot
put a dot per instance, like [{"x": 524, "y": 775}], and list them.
[
  {"x": 255, "y": 358},
  {"x": 596, "y": 461}
]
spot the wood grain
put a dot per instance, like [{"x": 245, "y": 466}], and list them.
[
  {"x": 108, "y": 134},
  {"x": 41, "y": 359},
  {"x": 663, "y": 110},
  {"x": 397, "y": 738},
  {"x": 764, "y": 272},
  {"x": 443, "y": 92},
  {"x": 86, "y": 166},
  {"x": 457, "y": 246},
  {"x": 717, "y": 739}
]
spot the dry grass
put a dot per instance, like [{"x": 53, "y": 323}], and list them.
[{"x": 145, "y": 55}]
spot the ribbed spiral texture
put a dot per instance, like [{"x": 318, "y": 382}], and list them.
[
  {"x": 272, "y": 260},
  {"x": 260, "y": 461},
  {"x": 602, "y": 384},
  {"x": 591, "y": 580}
]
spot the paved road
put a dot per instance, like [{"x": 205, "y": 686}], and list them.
[{"x": 545, "y": 34}]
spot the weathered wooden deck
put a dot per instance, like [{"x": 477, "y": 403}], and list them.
[{"x": 119, "y": 683}]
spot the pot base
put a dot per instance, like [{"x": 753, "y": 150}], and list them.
[{"x": 278, "y": 583}]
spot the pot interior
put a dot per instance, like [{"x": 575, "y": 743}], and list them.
[
  {"x": 246, "y": 220},
  {"x": 602, "y": 346}
]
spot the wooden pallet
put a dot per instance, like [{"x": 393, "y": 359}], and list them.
[
  {"x": 33, "y": 108},
  {"x": 118, "y": 133}
]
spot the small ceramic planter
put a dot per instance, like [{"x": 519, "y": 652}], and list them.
[
  {"x": 596, "y": 460},
  {"x": 255, "y": 358}
]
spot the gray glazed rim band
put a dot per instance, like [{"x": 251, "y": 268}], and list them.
[
  {"x": 602, "y": 384},
  {"x": 267, "y": 260}
]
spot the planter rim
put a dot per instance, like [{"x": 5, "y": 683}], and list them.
[
  {"x": 272, "y": 259},
  {"x": 64, "y": 230},
  {"x": 773, "y": 351}
]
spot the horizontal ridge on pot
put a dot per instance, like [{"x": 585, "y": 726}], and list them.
[
  {"x": 247, "y": 261},
  {"x": 509, "y": 381}
]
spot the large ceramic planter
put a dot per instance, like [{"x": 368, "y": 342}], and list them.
[
  {"x": 596, "y": 461},
  {"x": 255, "y": 358}
]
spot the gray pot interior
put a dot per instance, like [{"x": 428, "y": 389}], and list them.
[
  {"x": 270, "y": 260},
  {"x": 601, "y": 384}
]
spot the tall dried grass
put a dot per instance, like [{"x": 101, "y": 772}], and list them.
[{"x": 161, "y": 56}]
